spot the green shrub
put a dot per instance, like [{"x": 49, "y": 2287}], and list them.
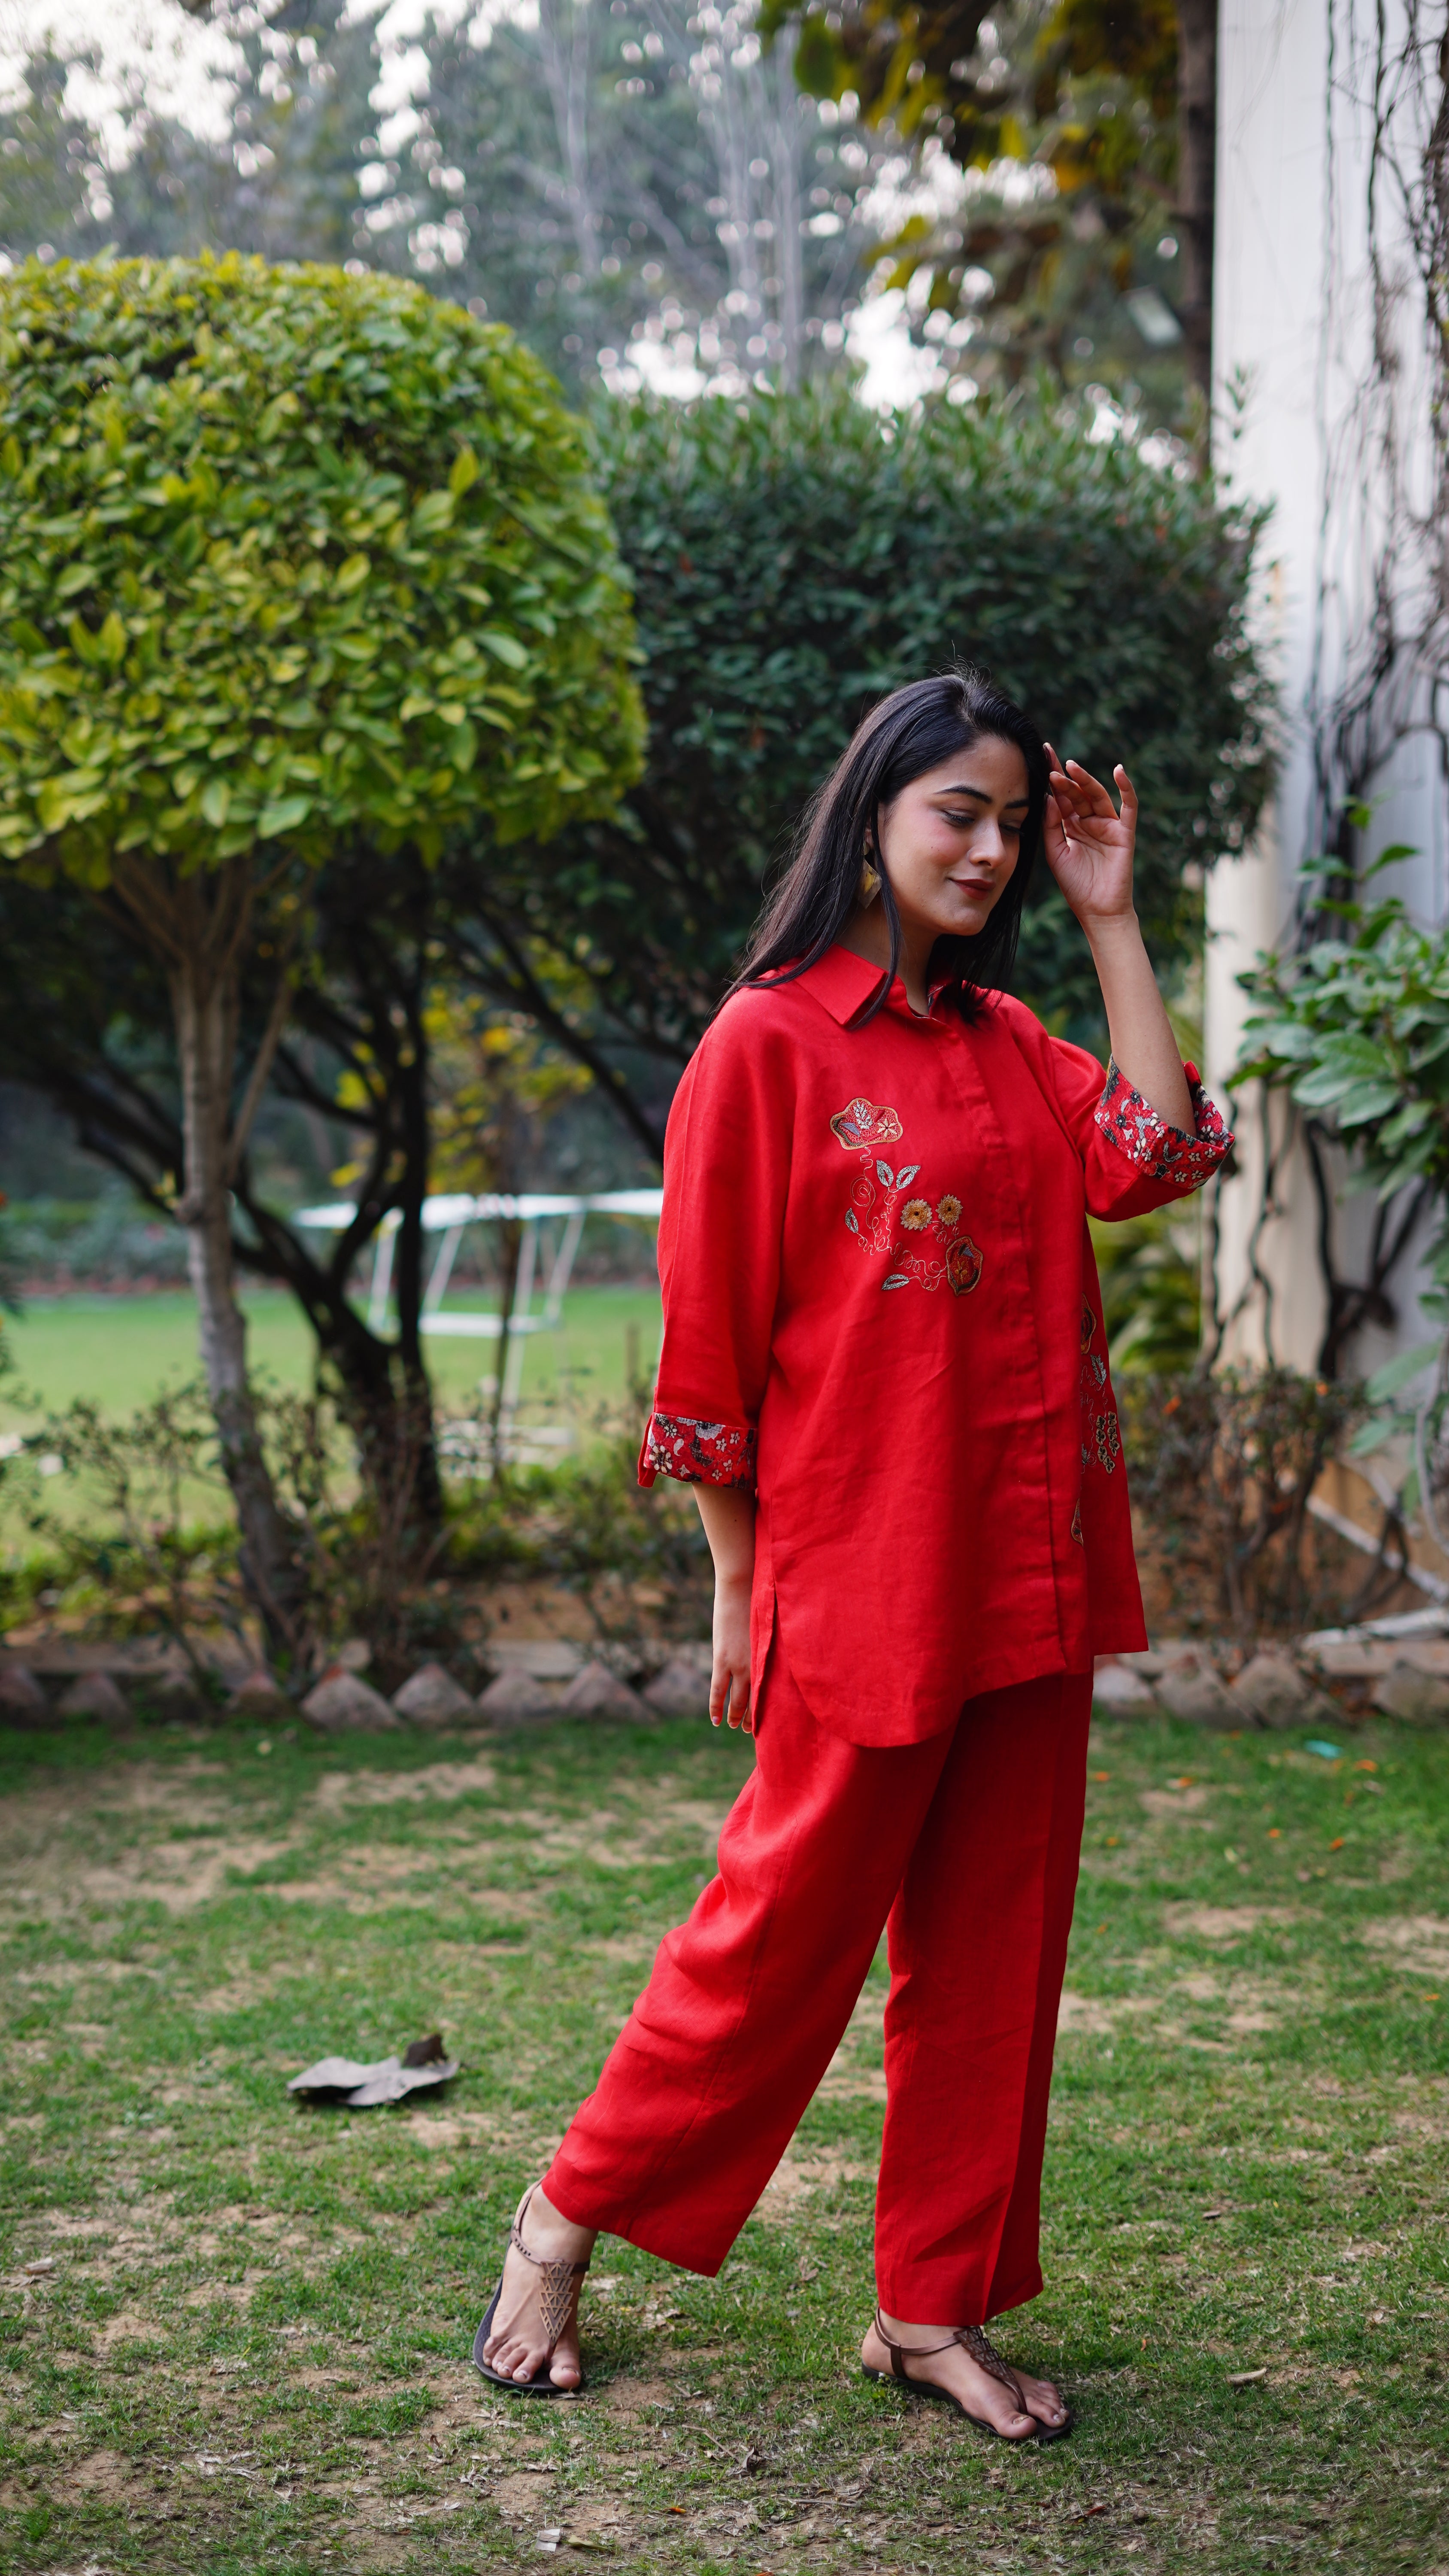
[
  {"x": 289, "y": 561},
  {"x": 288, "y": 553},
  {"x": 793, "y": 558},
  {"x": 1222, "y": 1468}
]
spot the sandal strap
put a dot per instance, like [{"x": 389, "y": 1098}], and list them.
[
  {"x": 918, "y": 2351},
  {"x": 976, "y": 2341},
  {"x": 972, "y": 2339},
  {"x": 556, "y": 2288}
]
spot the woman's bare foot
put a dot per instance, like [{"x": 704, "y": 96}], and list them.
[
  {"x": 973, "y": 2387},
  {"x": 518, "y": 2346}
]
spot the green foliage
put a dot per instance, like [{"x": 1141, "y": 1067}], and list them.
[
  {"x": 87, "y": 162},
  {"x": 154, "y": 1550},
  {"x": 585, "y": 1518},
  {"x": 634, "y": 207},
  {"x": 1222, "y": 1468},
  {"x": 287, "y": 554},
  {"x": 1357, "y": 1026},
  {"x": 795, "y": 558},
  {"x": 566, "y": 173},
  {"x": 1150, "y": 1271},
  {"x": 1085, "y": 90}
]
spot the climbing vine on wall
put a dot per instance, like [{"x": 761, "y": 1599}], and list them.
[{"x": 1380, "y": 660}]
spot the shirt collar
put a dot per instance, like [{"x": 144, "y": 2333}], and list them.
[{"x": 843, "y": 983}]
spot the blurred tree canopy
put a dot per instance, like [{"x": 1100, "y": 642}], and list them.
[
  {"x": 1079, "y": 234},
  {"x": 795, "y": 558},
  {"x": 633, "y": 178},
  {"x": 644, "y": 182}
]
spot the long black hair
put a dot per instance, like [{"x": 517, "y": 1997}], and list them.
[{"x": 913, "y": 730}]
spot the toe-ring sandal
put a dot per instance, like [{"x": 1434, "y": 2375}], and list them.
[
  {"x": 977, "y": 2343},
  {"x": 556, "y": 2295}
]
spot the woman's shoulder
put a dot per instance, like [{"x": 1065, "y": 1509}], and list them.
[
  {"x": 754, "y": 1014},
  {"x": 750, "y": 1053},
  {"x": 1072, "y": 1073},
  {"x": 1002, "y": 1011}
]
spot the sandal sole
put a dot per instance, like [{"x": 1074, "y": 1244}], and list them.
[
  {"x": 942, "y": 2397},
  {"x": 539, "y": 2386}
]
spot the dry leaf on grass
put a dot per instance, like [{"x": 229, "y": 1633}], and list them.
[{"x": 349, "y": 2085}]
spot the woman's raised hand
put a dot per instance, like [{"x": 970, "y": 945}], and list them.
[{"x": 1089, "y": 844}]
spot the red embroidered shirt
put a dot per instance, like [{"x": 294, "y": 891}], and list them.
[{"x": 881, "y": 1308}]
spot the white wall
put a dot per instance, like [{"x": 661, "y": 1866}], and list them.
[{"x": 1300, "y": 422}]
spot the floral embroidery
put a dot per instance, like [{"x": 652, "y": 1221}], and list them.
[
  {"x": 860, "y": 1123},
  {"x": 1161, "y": 1152},
  {"x": 1077, "y": 1524},
  {"x": 1101, "y": 1431},
  {"x": 879, "y": 1221},
  {"x": 700, "y": 1453},
  {"x": 964, "y": 1265}
]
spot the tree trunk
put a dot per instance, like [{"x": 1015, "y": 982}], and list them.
[
  {"x": 204, "y": 999},
  {"x": 389, "y": 1414},
  {"x": 567, "y": 40},
  {"x": 1197, "y": 124},
  {"x": 510, "y": 1251},
  {"x": 415, "y": 1403}
]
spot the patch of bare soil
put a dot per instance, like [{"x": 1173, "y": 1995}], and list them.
[
  {"x": 1245, "y": 2005},
  {"x": 846, "y": 2079},
  {"x": 433, "y": 2130},
  {"x": 1174, "y": 1802},
  {"x": 799, "y": 2175},
  {"x": 176, "y": 1791},
  {"x": 630, "y": 2393},
  {"x": 338, "y": 1790},
  {"x": 72, "y": 1972},
  {"x": 178, "y": 1874},
  {"x": 104, "y": 2475},
  {"x": 627, "y": 1949},
  {"x": 1421, "y": 1941},
  {"x": 1225, "y": 1922},
  {"x": 129, "y": 2327},
  {"x": 1097, "y": 2016}
]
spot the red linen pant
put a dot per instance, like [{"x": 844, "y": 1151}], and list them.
[{"x": 966, "y": 1848}]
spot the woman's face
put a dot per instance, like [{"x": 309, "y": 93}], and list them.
[{"x": 952, "y": 837}]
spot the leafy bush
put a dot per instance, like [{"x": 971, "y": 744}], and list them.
[
  {"x": 288, "y": 553},
  {"x": 288, "y": 559},
  {"x": 1357, "y": 1026},
  {"x": 1150, "y": 1270},
  {"x": 1222, "y": 1468},
  {"x": 155, "y": 1549},
  {"x": 794, "y": 558}
]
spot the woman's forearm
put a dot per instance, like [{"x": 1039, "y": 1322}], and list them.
[
  {"x": 1143, "y": 1046},
  {"x": 728, "y": 1514}
]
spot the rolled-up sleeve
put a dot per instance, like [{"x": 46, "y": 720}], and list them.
[
  {"x": 1133, "y": 1158},
  {"x": 726, "y": 1173}
]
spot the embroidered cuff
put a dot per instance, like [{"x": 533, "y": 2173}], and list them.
[
  {"x": 697, "y": 1453},
  {"x": 1163, "y": 1153}
]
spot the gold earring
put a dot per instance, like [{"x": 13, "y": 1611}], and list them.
[{"x": 869, "y": 884}]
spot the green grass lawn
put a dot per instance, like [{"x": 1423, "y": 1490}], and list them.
[
  {"x": 120, "y": 1351},
  {"x": 247, "y": 2350}
]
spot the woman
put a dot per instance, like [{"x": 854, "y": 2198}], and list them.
[{"x": 884, "y": 1368}]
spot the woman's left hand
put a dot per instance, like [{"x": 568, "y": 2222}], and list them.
[{"x": 1089, "y": 844}]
